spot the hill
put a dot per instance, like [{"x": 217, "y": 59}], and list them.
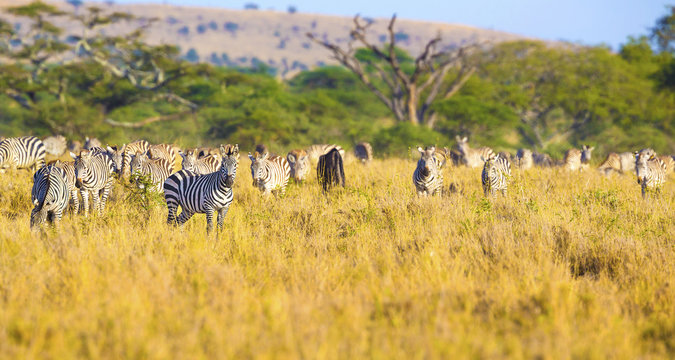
[{"x": 275, "y": 38}]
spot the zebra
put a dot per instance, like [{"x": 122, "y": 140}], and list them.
[
  {"x": 428, "y": 175},
  {"x": 204, "y": 194},
  {"x": 75, "y": 147},
  {"x": 22, "y": 152},
  {"x": 71, "y": 179},
  {"x": 91, "y": 143},
  {"x": 364, "y": 152},
  {"x": 472, "y": 157},
  {"x": 164, "y": 151},
  {"x": 49, "y": 195},
  {"x": 93, "y": 172},
  {"x": 524, "y": 159},
  {"x": 576, "y": 159},
  {"x": 157, "y": 170},
  {"x": 269, "y": 173},
  {"x": 621, "y": 163},
  {"x": 669, "y": 161},
  {"x": 316, "y": 150},
  {"x": 55, "y": 145},
  {"x": 650, "y": 170},
  {"x": 330, "y": 170},
  {"x": 201, "y": 166},
  {"x": 117, "y": 156},
  {"x": 542, "y": 160},
  {"x": 496, "y": 174},
  {"x": 299, "y": 162},
  {"x": 130, "y": 149}
]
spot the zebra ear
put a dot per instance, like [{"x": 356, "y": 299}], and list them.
[
  {"x": 264, "y": 156},
  {"x": 110, "y": 149},
  {"x": 290, "y": 158},
  {"x": 251, "y": 157},
  {"x": 465, "y": 139},
  {"x": 72, "y": 155},
  {"x": 419, "y": 148}
]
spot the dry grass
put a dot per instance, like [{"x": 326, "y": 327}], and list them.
[{"x": 564, "y": 266}]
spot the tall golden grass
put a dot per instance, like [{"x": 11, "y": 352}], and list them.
[{"x": 567, "y": 265}]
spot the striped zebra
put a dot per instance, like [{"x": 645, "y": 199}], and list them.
[
  {"x": 22, "y": 152},
  {"x": 316, "y": 150},
  {"x": 116, "y": 154},
  {"x": 49, "y": 195},
  {"x": 364, "y": 152},
  {"x": 669, "y": 162},
  {"x": 620, "y": 163},
  {"x": 164, "y": 151},
  {"x": 127, "y": 151},
  {"x": 524, "y": 159},
  {"x": 576, "y": 159},
  {"x": 650, "y": 170},
  {"x": 201, "y": 166},
  {"x": 204, "y": 194},
  {"x": 269, "y": 173},
  {"x": 542, "y": 160},
  {"x": 93, "y": 171},
  {"x": 428, "y": 175},
  {"x": 495, "y": 175},
  {"x": 157, "y": 170},
  {"x": 55, "y": 145},
  {"x": 299, "y": 162},
  {"x": 90, "y": 143},
  {"x": 71, "y": 179},
  {"x": 472, "y": 157}
]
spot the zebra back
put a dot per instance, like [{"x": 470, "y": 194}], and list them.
[
  {"x": 50, "y": 195},
  {"x": 269, "y": 172},
  {"x": 316, "y": 150},
  {"x": 201, "y": 166},
  {"x": 22, "y": 152},
  {"x": 164, "y": 151},
  {"x": 428, "y": 175},
  {"x": 611, "y": 164}
]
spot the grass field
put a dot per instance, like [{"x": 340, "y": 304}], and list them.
[{"x": 566, "y": 265}]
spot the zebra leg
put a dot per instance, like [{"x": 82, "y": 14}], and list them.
[
  {"x": 209, "y": 221},
  {"x": 644, "y": 188},
  {"x": 75, "y": 200},
  {"x": 106, "y": 192},
  {"x": 85, "y": 201},
  {"x": 171, "y": 218},
  {"x": 221, "y": 216},
  {"x": 97, "y": 201},
  {"x": 184, "y": 216}
]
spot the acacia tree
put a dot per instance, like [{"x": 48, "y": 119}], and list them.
[{"x": 408, "y": 93}]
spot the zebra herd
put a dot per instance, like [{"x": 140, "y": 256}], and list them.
[
  {"x": 204, "y": 184},
  {"x": 651, "y": 170}
]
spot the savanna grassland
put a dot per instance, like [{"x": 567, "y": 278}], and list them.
[{"x": 565, "y": 266}]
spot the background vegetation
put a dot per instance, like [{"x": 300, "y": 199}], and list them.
[{"x": 523, "y": 94}]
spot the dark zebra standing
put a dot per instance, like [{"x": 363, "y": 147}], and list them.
[
  {"x": 364, "y": 152},
  {"x": 69, "y": 168},
  {"x": 270, "y": 173},
  {"x": 299, "y": 162},
  {"x": 316, "y": 150},
  {"x": 428, "y": 175},
  {"x": 94, "y": 172},
  {"x": 22, "y": 152},
  {"x": 49, "y": 195},
  {"x": 200, "y": 166},
  {"x": 495, "y": 175},
  {"x": 330, "y": 170},
  {"x": 157, "y": 170},
  {"x": 650, "y": 170},
  {"x": 204, "y": 194}
]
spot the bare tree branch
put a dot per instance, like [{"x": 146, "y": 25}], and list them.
[{"x": 149, "y": 120}]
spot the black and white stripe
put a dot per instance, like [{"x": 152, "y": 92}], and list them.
[
  {"x": 428, "y": 175},
  {"x": 71, "y": 179},
  {"x": 164, "y": 151},
  {"x": 205, "y": 194},
  {"x": 496, "y": 174},
  {"x": 200, "y": 166},
  {"x": 127, "y": 151},
  {"x": 157, "y": 170},
  {"x": 650, "y": 170},
  {"x": 299, "y": 162},
  {"x": 22, "y": 152},
  {"x": 94, "y": 174},
  {"x": 49, "y": 195},
  {"x": 472, "y": 158},
  {"x": 269, "y": 173},
  {"x": 316, "y": 150}
]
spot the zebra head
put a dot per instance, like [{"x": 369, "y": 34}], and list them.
[
  {"x": 586, "y": 153},
  {"x": 189, "y": 159},
  {"x": 641, "y": 159},
  {"x": 462, "y": 144},
  {"x": 230, "y": 160},
  {"x": 138, "y": 161},
  {"x": 299, "y": 162},
  {"x": 258, "y": 168},
  {"x": 429, "y": 162},
  {"x": 82, "y": 166},
  {"x": 117, "y": 156}
]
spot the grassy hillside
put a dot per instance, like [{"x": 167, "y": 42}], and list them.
[{"x": 566, "y": 265}]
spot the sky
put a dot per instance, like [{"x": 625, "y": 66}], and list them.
[{"x": 588, "y": 22}]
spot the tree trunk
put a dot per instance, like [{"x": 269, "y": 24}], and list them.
[{"x": 412, "y": 104}]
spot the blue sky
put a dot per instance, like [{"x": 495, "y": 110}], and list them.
[{"x": 589, "y": 22}]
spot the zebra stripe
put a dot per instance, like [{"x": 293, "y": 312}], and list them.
[
  {"x": 269, "y": 173},
  {"x": 316, "y": 150},
  {"x": 93, "y": 173},
  {"x": 428, "y": 175},
  {"x": 650, "y": 170},
  {"x": 200, "y": 166},
  {"x": 130, "y": 149},
  {"x": 299, "y": 162},
  {"x": 49, "y": 195},
  {"x": 204, "y": 194},
  {"x": 158, "y": 170},
  {"x": 364, "y": 152},
  {"x": 71, "y": 179},
  {"x": 576, "y": 159},
  {"x": 495, "y": 175},
  {"x": 166, "y": 152},
  {"x": 472, "y": 158},
  {"x": 22, "y": 152}
]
